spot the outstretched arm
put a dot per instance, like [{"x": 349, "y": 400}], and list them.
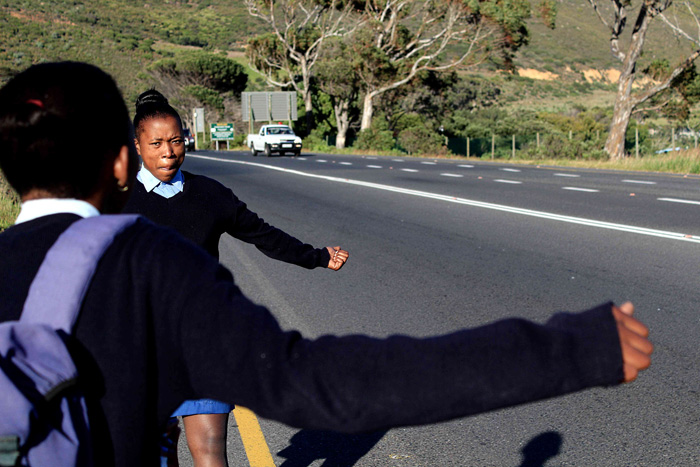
[
  {"x": 247, "y": 226},
  {"x": 358, "y": 383}
]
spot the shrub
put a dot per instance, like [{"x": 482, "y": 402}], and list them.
[
  {"x": 206, "y": 96},
  {"x": 420, "y": 140},
  {"x": 238, "y": 140},
  {"x": 9, "y": 204},
  {"x": 316, "y": 141},
  {"x": 555, "y": 146},
  {"x": 376, "y": 139}
]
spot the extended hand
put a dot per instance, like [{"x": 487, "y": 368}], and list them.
[
  {"x": 338, "y": 257},
  {"x": 636, "y": 348}
]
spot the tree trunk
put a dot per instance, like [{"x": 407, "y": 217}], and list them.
[
  {"x": 624, "y": 104},
  {"x": 309, "y": 108},
  {"x": 624, "y": 101},
  {"x": 615, "y": 144},
  {"x": 367, "y": 111},
  {"x": 306, "y": 95},
  {"x": 342, "y": 121}
]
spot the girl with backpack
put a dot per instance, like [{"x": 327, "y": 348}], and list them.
[{"x": 158, "y": 308}]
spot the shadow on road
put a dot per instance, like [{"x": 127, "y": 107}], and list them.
[
  {"x": 541, "y": 448},
  {"x": 338, "y": 450}
]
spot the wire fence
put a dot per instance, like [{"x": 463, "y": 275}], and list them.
[{"x": 638, "y": 143}]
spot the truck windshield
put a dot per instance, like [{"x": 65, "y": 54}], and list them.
[{"x": 279, "y": 131}]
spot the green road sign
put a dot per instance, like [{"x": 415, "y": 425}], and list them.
[{"x": 221, "y": 131}]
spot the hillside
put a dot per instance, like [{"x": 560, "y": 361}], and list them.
[
  {"x": 570, "y": 63},
  {"x": 120, "y": 36},
  {"x": 579, "y": 47}
]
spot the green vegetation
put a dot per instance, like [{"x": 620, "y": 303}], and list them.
[
  {"x": 122, "y": 37},
  {"x": 9, "y": 204},
  {"x": 192, "y": 51}
]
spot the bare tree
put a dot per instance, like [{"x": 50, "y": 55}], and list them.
[
  {"x": 287, "y": 56},
  {"x": 625, "y": 100},
  {"x": 409, "y": 36}
]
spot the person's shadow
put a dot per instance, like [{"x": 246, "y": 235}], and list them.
[
  {"x": 338, "y": 450},
  {"x": 341, "y": 450},
  {"x": 541, "y": 448}
]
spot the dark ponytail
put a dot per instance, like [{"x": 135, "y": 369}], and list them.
[
  {"x": 60, "y": 123},
  {"x": 152, "y": 104}
]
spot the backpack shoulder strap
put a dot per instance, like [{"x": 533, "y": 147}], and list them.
[{"x": 57, "y": 291}]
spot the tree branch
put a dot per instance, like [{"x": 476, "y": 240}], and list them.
[
  {"x": 600, "y": 15},
  {"x": 668, "y": 81}
]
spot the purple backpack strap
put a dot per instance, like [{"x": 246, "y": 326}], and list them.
[{"x": 58, "y": 289}]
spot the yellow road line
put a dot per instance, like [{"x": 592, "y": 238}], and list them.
[{"x": 253, "y": 439}]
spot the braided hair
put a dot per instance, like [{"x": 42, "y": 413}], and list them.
[{"x": 152, "y": 104}]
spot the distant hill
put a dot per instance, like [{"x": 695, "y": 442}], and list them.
[
  {"x": 118, "y": 36},
  {"x": 125, "y": 36},
  {"x": 579, "y": 46}
]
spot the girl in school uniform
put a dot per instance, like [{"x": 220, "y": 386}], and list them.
[{"x": 203, "y": 210}]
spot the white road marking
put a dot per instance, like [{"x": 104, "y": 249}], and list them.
[
  {"x": 374, "y": 166},
  {"x": 345, "y": 163},
  {"x": 398, "y": 160},
  {"x": 320, "y": 160},
  {"x": 466, "y": 166},
  {"x": 301, "y": 158},
  {"x": 566, "y": 175},
  {"x": 428, "y": 163},
  {"x": 677, "y": 200},
  {"x": 474, "y": 203},
  {"x": 641, "y": 182},
  {"x": 513, "y": 182},
  {"x": 370, "y": 157},
  {"x": 510, "y": 170},
  {"x": 409, "y": 170},
  {"x": 452, "y": 175},
  {"x": 573, "y": 188}
]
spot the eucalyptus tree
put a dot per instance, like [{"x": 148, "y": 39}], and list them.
[
  {"x": 287, "y": 55},
  {"x": 401, "y": 38},
  {"x": 335, "y": 75},
  {"x": 613, "y": 14}
]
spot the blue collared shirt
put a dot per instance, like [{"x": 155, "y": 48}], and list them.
[
  {"x": 164, "y": 189},
  {"x": 43, "y": 207}
]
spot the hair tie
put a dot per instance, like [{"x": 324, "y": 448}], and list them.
[{"x": 36, "y": 102}]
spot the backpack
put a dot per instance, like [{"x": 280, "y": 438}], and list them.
[{"x": 44, "y": 417}]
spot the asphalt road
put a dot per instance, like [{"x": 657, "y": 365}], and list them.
[{"x": 437, "y": 245}]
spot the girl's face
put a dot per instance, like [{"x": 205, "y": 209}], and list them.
[{"x": 161, "y": 146}]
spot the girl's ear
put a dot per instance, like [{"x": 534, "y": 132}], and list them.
[{"x": 138, "y": 148}]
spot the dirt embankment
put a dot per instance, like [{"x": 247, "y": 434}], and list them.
[
  {"x": 39, "y": 18},
  {"x": 591, "y": 75}
]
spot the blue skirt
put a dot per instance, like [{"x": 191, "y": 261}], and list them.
[{"x": 202, "y": 406}]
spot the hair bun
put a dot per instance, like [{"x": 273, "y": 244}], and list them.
[{"x": 150, "y": 97}]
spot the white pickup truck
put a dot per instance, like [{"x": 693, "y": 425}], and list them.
[{"x": 274, "y": 138}]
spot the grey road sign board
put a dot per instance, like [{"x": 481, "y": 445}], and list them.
[
  {"x": 269, "y": 106},
  {"x": 199, "y": 120}
]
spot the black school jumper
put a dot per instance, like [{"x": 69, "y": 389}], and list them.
[
  {"x": 160, "y": 307},
  {"x": 206, "y": 209}
]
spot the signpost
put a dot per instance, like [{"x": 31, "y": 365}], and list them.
[
  {"x": 221, "y": 132},
  {"x": 198, "y": 117}
]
